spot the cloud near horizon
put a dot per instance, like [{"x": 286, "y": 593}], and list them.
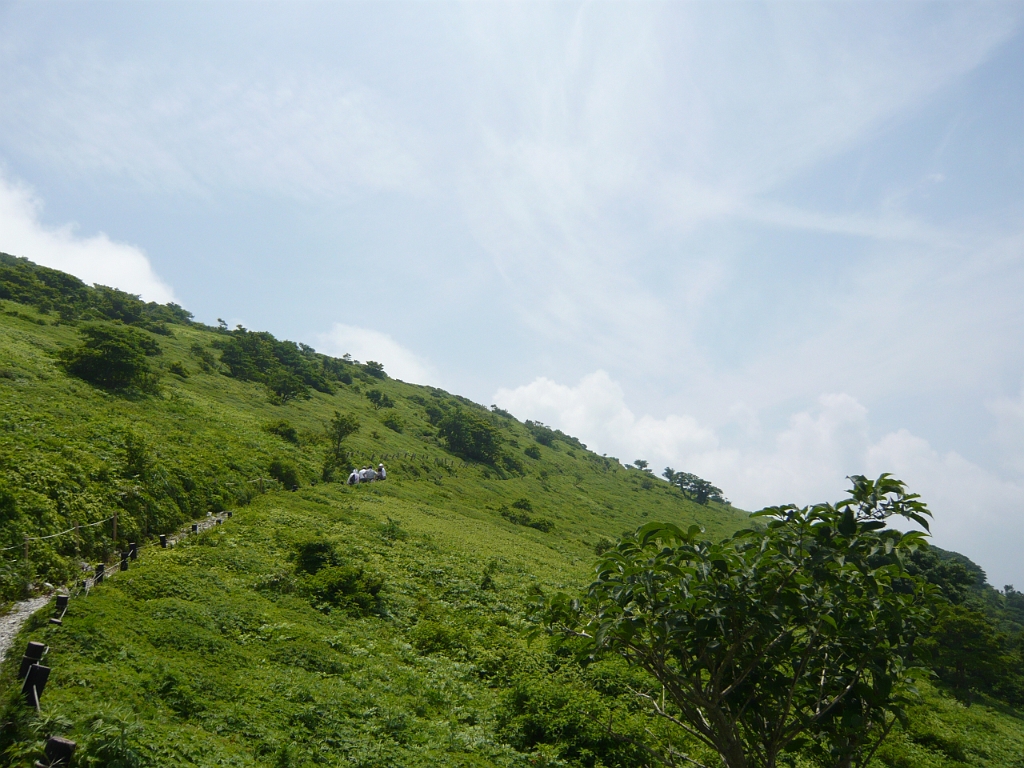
[
  {"x": 807, "y": 461},
  {"x": 95, "y": 260},
  {"x": 365, "y": 344}
]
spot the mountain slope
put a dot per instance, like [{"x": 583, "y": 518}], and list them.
[{"x": 378, "y": 624}]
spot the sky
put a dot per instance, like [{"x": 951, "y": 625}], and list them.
[{"x": 773, "y": 244}]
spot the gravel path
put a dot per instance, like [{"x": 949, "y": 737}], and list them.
[{"x": 11, "y": 623}]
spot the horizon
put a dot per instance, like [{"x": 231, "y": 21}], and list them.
[{"x": 774, "y": 245}]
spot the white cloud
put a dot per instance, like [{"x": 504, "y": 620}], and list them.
[
  {"x": 206, "y": 128},
  {"x": 96, "y": 259},
  {"x": 365, "y": 344},
  {"x": 976, "y": 512},
  {"x": 1008, "y": 434}
]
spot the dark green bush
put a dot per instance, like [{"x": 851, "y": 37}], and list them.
[
  {"x": 285, "y": 473},
  {"x": 520, "y": 517},
  {"x": 284, "y": 430},
  {"x": 314, "y": 555},
  {"x": 523, "y": 504},
  {"x": 112, "y": 356},
  {"x": 470, "y": 435},
  {"x": 570, "y": 718},
  {"x": 375, "y": 369},
  {"x": 379, "y": 399},
  {"x": 347, "y": 587},
  {"x": 178, "y": 369},
  {"x": 532, "y": 451},
  {"x": 207, "y": 362},
  {"x": 434, "y": 637},
  {"x": 393, "y": 421},
  {"x": 285, "y": 386}
]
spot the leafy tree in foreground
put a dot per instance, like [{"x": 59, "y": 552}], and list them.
[{"x": 795, "y": 638}]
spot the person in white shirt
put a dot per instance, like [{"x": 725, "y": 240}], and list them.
[
  {"x": 354, "y": 477},
  {"x": 382, "y": 473},
  {"x": 367, "y": 475}
]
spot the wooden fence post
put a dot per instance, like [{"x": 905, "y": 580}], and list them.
[{"x": 115, "y": 527}]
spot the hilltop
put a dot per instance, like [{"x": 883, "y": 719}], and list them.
[{"x": 377, "y": 624}]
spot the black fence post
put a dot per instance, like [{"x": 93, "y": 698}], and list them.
[
  {"x": 133, "y": 550},
  {"x": 59, "y": 752},
  {"x": 98, "y": 579},
  {"x": 33, "y": 655},
  {"x": 59, "y": 610},
  {"x": 163, "y": 541},
  {"x": 124, "y": 560},
  {"x": 35, "y": 682},
  {"x": 195, "y": 527}
]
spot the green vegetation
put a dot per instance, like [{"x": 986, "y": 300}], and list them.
[
  {"x": 113, "y": 356},
  {"x": 795, "y": 638},
  {"x": 369, "y": 625}
]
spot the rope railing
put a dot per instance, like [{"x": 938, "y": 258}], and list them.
[{"x": 29, "y": 539}]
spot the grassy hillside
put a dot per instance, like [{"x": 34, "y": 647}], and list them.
[{"x": 373, "y": 625}]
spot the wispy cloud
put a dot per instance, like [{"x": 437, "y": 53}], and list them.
[
  {"x": 94, "y": 259},
  {"x": 208, "y": 129}
]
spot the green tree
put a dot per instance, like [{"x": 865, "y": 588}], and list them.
[
  {"x": 112, "y": 356},
  {"x": 796, "y": 637},
  {"x": 967, "y": 650},
  {"x": 339, "y": 429},
  {"x": 379, "y": 399},
  {"x": 470, "y": 435}
]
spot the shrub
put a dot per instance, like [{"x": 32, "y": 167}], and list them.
[
  {"x": 393, "y": 421},
  {"x": 435, "y": 637},
  {"x": 112, "y": 356},
  {"x": 379, "y": 399},
  {"x": 313, "y": 555},
  {"x": 178, "y": 369},
  {"x": 470, "y": 435},
  {"x": 523, "y": 504},
  {"x": 285, "y": 386},
  {"x": 348, "y": 587},
  {"x": 523, "y": 518},
  {"x": 285, "y": 473},
  {"x": 532, "y": 451},
  {"x": 375, "y": 369},
  {"x": 284, "y": 430},
  {"x": 207, "y": 362}
]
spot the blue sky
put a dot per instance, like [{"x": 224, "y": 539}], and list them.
[{"x": 773, "y": 244}]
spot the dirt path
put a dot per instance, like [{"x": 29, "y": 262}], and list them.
[{"x": 11, "y": 623}]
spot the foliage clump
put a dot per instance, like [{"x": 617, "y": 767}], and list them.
[
  {"x": 469, "y": 434},
  {"x": 289, "y": 370},
  {"x": 379, "y": 399},
  {"x": 50, "y": 290},
  {"x": 112, "y": 356},
  {"x": 339, "y": 429},
  {"x": 519, "y": 514},
  {"x": 796, "y": 638},
  {"x": 284, "y": 430},
  {"x": 330, "y": 583},
  {"x": 693, "y": 487},
  {"x": 285, "y": 473}
]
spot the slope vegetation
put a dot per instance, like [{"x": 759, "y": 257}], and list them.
[{"x": 381, "y": 624}]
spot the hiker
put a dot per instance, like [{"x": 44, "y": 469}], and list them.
[
  {"x": 353, "y": 478},
  {"x": 382, "y": 473},
  {"x": 367, "y": 475}
]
